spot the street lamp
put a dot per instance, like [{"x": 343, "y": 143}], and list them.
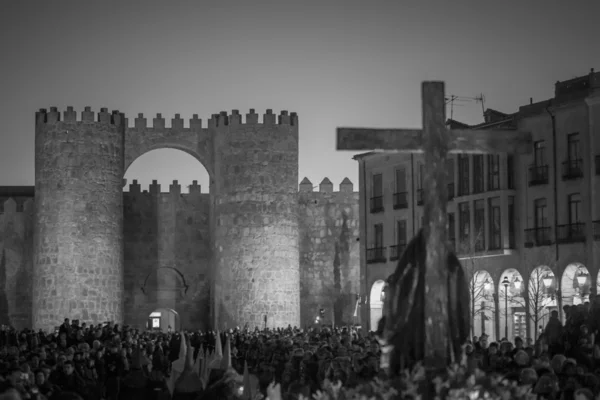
[
  {"x": 547, "y": 279},
  {"x": 382, "y": 295},
  {"x": 506, "y": 282},
  {"x": 517, "y": 283},
  {"x": 581, "y": 278},
  {"x": 487, "y": 285}
]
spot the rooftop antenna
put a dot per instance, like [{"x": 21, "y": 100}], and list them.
[
  {"x": 452, "y": 99},
  {"x": 481, "y": 99}
]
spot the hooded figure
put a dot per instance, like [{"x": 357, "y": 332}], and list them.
[{"x": 401, "y": 330}]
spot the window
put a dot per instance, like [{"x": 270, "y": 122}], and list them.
[
  {"x": 463, "y": 174},
  {"x": 464, "y": 221},
  {"x": 511, "y": 222},
  {"x": 495, "y": 223},
  {"x": 493, "y": 172},
  {"x": 573, "y": 146},
  {"x": 377, "y": 188},
  {"x": 401, "y": 232},
  {"x": 539, "y": 153},
  {"x": 377, "y": 193},
  {"x": 479, "y": 222},
  {"x": 400, "y": 180},
  {"x": 574, "y": 208},
  {"x": 510, "y": 172},
  {"x": 540, "y": 213},
  {"x": 478, "y": 173},
  {"x": 378, "y": 230}
]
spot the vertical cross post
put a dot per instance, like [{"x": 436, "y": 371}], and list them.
[{"x": 435, "y": 147}]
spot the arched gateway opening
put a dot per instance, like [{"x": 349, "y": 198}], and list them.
[
  {"x": 166, "y": 208},
  {"x": 376, "y": 304},
  {"x": 164, "y": 320}
]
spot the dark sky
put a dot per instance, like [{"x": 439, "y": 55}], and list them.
[{"x": 344, "y": 63}]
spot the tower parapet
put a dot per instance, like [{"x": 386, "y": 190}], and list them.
[
  {"x": 326, "y": 186},
  {"x": 78, "y": 229}
]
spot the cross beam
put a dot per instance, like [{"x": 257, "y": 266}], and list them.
[{"x": 435, "y": 141}]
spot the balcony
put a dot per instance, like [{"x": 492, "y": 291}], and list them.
[
  {"x": 572, "y": 169},
  {"x": 571, "y": 233},
  {"x": 400, "y": 200},
  {"x": 376, "y": 204},
  {"x": 420, "y": 197},
  {"x": 376, "y": 255},
  {"x": 396, "y": 251},
  {"x": 538, "y": 175},
  {"x": 540, "y": 236},
  {"x": 451, "y": 191},
  {"x": 596, "y": 225},
  {"x": 597, "y": 159}
]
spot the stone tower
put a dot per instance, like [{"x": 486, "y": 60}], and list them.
[
  {"x": 256, "y": 254},
  {"x": 78, "y": 228}
]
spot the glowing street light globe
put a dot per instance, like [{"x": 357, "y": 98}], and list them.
[
  {"x": 487, "y": 285},
  {"x": 547, "y": 279},
  {"x": 517, "y": 283},
  {"x": 581, "y": 278}
]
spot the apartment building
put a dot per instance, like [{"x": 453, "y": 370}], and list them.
[{"x": 510, "y": 217}]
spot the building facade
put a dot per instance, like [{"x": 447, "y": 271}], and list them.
[{"x": 524, "y": 226}]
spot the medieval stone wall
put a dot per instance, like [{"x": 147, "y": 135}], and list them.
[
  {"x": 16, "y": 263},
  {"x": 167, "y": 254},
  {"x": 329, "y": 252}
]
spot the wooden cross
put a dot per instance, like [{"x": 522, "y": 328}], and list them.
[{"x": 435, "y": 141}]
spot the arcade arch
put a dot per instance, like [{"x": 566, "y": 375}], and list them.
[
  {"x": 376, "y": 303},
  {"x": 163, "y": 319},
  {"x": 511, "y": 305},
  {"x": 483, "y": 308},
  {"x": 543, "y": 299},
  {"x": 575, "y": 284}
]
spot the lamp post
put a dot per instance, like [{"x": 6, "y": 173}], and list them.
[
  {"x": 581, "y": 280},
  {"x": 506, "y": 282}
]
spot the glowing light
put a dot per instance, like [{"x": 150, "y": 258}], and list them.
[
  {"x": 487, "y": 285},
  {"x": 547, "y": 279}
]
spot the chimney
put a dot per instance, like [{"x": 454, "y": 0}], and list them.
[{"x": 531, "y": 100}]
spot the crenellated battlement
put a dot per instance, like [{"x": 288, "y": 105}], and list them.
[
  {"x": 44, "y": 116},
  {"x": 11, "y": 206},
  {"x": 216, "y": 120},
  {"x": 326, "y": 186},
  {"x": 155, "y": 188}
]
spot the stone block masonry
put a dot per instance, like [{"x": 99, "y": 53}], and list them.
[
  {"x": 256, "y": 233},
  {"x": 167, "y": 254},
  {"x": 78, "y": 229},
  {"x": 329, "y": 252}
]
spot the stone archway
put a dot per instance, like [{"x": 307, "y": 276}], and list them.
[
  {"x": 575, "y": 285},
  {"x": 376, "y": 303},
  {"x": 483, "y": 308},
  {"x": 543, "y": 299},
  {"x": 162, "y": 319},
  {"x": 511, "y": 305}
]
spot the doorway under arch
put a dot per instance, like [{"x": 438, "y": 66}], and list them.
[
  {"x": 162, "y": 319},
  {"x": 376, "y": 304}
]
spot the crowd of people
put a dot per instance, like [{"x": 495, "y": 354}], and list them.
[{"x": 112, "y": 362}]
